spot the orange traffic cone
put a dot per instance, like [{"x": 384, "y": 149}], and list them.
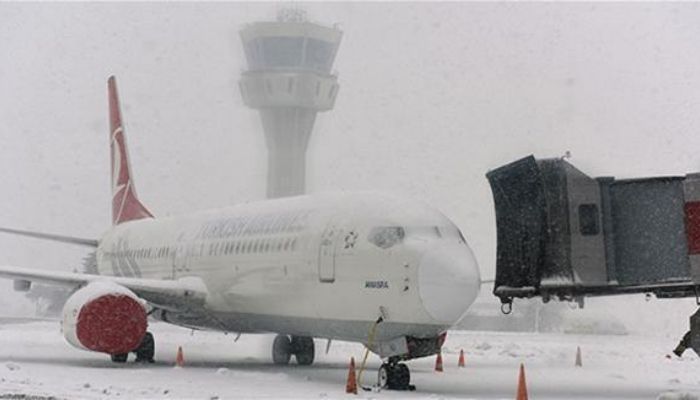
[
  {"x": 351, "y": 385},
  {"x": 438, "y": 363},
  {"x": 522, "y": 386},
  {"x": 461, "y": 359},
  {"x": 579, "y": 362},
  {"x": 179, "y": 359}
]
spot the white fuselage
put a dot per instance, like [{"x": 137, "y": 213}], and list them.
[{"x": 320, "y": 265}]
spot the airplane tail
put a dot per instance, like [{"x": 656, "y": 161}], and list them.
[{"x": 125, "y": 203}]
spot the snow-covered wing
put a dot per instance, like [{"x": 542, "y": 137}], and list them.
[
  {"x": 52, "y": 237},
  {"x": 169, "y": 294}
]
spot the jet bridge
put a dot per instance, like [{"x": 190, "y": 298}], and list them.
[{"x": 565, "y": 235}]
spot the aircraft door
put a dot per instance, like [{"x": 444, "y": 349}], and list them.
[{"x": 326, "y": 254}]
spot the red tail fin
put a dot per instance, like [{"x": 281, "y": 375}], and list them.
[{"x": 125, "y": 204}]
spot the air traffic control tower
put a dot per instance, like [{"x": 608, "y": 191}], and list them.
[{"x": 289, "y": 81}]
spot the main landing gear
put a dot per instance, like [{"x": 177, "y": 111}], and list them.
[
  {"x": 395, "y": 376},
  {"x": 302, "y": 347},
  {"x": 144, "y": 353}
]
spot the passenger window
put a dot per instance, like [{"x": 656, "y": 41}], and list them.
[
  {"x": 588, "y": 219},
  {"x": 386, "y": 236}
]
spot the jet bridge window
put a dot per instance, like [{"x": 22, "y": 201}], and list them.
[
  {"x": 386, "y": 236},
  {"x": 588, "y": 219}
]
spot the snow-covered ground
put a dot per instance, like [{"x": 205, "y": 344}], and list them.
[{"x": 35, "y": 360}]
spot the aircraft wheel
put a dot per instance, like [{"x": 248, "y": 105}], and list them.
[
  {"x": 304, "y": 349},
  {"x": 146, "y": 350},
  {"x": 281, "y": 350},
  {"x": 383, "y": 376},
  {"x": 402, "y": 377},
  {"x": 394, "y": 377},
  {"x": 119, "y": 358}
]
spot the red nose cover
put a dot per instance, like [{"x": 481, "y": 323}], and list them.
[{"x": 113, "y": 324}]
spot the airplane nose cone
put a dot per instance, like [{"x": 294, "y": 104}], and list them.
[{"x": 448, "y": 282}]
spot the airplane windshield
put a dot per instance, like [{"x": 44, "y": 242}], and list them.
[
  {"x": 386, "y": 236},
  {"x": 435, "y": 232},
  {"x": 423, "y": 232}
]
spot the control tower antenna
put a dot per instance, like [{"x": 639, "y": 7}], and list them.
[{"x": 289, "y": 81}]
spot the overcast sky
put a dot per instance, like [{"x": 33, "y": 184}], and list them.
[{"x": 431, "y": 97}]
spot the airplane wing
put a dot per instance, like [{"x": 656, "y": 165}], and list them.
[
  {"x": 52, "y": 237},
  {"x": 180, "y": 294}
]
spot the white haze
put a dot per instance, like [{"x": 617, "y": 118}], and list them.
[{"x": 432, "y": 96}]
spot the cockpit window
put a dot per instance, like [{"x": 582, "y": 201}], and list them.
[
  {"x": 447, "y": 232},
  {"x": 423, "y": 232},
  {"x": 461, "y": 236},
  {"x": 386, "y": 236},
  {"x": 451, "y": 231}
]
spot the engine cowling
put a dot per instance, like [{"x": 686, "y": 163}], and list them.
[{"x": 104, "y": 317}]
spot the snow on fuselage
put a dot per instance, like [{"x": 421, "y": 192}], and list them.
[{"x": 318, "y": 265}]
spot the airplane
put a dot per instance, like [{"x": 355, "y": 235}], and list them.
[{"x": 384, "y": 271}]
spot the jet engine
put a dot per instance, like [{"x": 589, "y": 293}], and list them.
[{"x": 104, "y": 317}]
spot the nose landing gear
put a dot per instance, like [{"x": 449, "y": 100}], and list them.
[{"x": 394, "y": 376}]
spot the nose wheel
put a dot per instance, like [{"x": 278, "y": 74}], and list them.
[{"x": 394, "y": 376}]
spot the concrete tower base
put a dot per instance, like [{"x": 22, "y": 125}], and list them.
[{"x": 287, "y": 132}]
